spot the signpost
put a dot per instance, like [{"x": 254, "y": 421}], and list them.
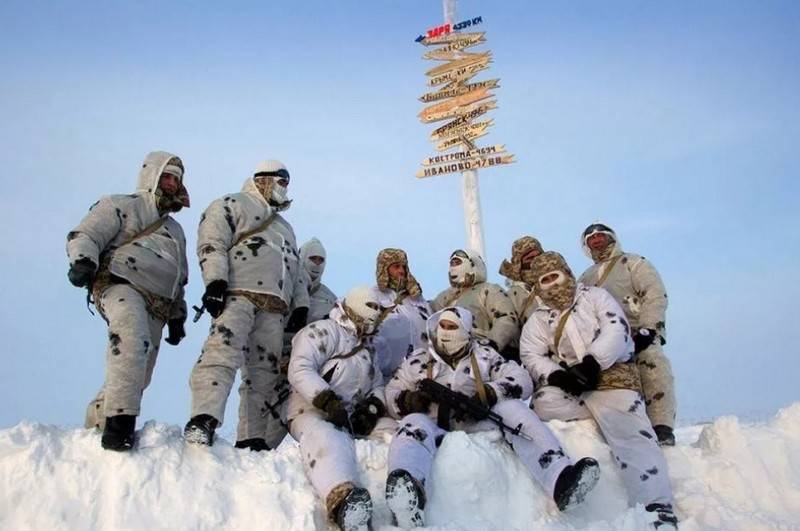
[{"x": 461, "y": 102}]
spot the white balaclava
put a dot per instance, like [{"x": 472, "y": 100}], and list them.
[
  {"x": 362, "y": 305},
  {"x": 275, "y": 170},
  {"x": 313, "y": 247},
  {"x": 458, "y": 274},
  {"x": 451, "y": 342}
]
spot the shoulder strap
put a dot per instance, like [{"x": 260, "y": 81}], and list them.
[
  {"x": 352, "y": 352},
  {"x": 150, "y": 229},
  {"x": 260, "y": 228},
  {"x": 560, "y": 328},
  {"x": 607, "y": 271},
  {"x": 476, "y": 373}
]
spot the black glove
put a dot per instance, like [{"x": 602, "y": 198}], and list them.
[
  {"x": 214, "y": 297},
  {"x": 297, "y": 320},
  {"x": 413, "y": 402},
  {"x": 643, "y": 338},
  {"x": 566, "y": 381},
  {"x": 332, "y": 405},
  {"x": 176, "y": 331},
  {"x": 81, "y": 273},
  {"x": 365, "y": 416},
  {"x": 586, "y": 373}
]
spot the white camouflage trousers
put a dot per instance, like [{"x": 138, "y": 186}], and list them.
[
  {"x": 620, "y": 414},
  {"x": 658, "y": 385},
  {"x": 418, "y": 438},
  {"x": 133, "y": 339},
  {"x": 243, "y": 337}
]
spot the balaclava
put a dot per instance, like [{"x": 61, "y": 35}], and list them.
[
  {"x": 515, "y": 269},
  {"x": 313, "y": 247},
  {"x": 172, "y": 202},
  {"x": 451, "y": 345},
  {"x": 275, "y": 194},
  {"x": 463, "y": 274},
  {"x": 362, "y": 306},
  {"x": 387, "y": 257},
  {"x": 606, "y": 252},
  {"x": 558, "y": 293}
]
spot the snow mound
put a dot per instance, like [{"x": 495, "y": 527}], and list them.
[{"x": 726, "y": 475}]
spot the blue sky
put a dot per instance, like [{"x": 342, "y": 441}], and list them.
[{"x": 676, "y": 123}]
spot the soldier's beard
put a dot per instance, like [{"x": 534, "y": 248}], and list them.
[{"x": 561, "y": 295}]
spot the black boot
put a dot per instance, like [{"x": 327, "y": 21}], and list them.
[
  {"x": 575, "y": 482},
  {"x": 355, "y": 511},
  {"x": 200, "y": 430},
  {"x": 406, "y": 499},
  {"x": 665, "y": 435},
  {"x": 118, "y": 433},
  {"x": 664, "y": 517},
  {"x": 256, "y": 445}
]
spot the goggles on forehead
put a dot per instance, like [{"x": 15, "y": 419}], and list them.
[
  {"x": 280, "y": 174},
  {"x": 596, "y": 227}
]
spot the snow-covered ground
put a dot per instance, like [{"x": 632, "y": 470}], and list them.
[{"x": 726, "y": 475}]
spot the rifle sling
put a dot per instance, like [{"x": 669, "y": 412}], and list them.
[
  {"x": 256, "y": 230},
  {"x": 476, "y": 373},
  {"x": 604, "y": 277},
  {"x": 560, "y": 328}
]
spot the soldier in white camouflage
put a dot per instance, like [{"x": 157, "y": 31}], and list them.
[{"x": 637, "y": 287}]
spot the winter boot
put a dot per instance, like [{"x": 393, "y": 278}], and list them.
[
  {"x": 665, "y": 435},
  {"x": 200, "y": 430},
  {"x": 354, "y": 513},
  {"x": 118, "y": 433},
  {"x": 256, "y": 445},
  {"x": 575, "y": 482},
  {"x": 406, "y": 499},
  {"x": 664, "y": 517}
]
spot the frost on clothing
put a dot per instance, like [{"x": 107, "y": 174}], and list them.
[
  {"x": 155, "y": 263},
  {"x": 328, "y": 354},
  {"x": 596, "y": 326},
  {"x": 419, "y": 436},
  {"x": 137, "y": 272},
  {"x": 490, "y": 306},
  {"x": 266, "y": 262},
  {"x": 247, "y": 337},
  {"x": 637, "y": 287}
]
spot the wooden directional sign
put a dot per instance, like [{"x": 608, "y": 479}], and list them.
[
  {"x": 458, "y": 90},
  {"x": 465, "y": 165},
  {"x": 474, "y": 110},
  {"x": 461, "y": 44},
  {"x": 453, "y": 37},
  {"x": 461, "y": 155},
  {"x": 461, "y": 139},
  {"x": 451, "y": 55},
  {"x": 443, "y": 110},
  {"x": 458, "y": 63},
  {"x": 463, "y": 130},
  {"x": 462, "y": 74}
]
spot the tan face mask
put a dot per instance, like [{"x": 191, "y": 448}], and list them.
[{"x": 559, "y": 293}]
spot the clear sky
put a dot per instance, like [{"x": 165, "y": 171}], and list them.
[{"x": 674, "y": 122}]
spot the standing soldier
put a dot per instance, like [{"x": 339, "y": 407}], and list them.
[
  {"x": 402, "y": 329},
  {"x": 491, "y": 308},
  {"x": 131, "y": 255},
  {"x": 252, "y": 272},
  {"x": 637, "y": 287}
]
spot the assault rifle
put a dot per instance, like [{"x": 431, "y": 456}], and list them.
[{"x": 460, "y": 403}]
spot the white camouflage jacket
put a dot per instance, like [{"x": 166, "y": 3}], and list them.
[
  {"x": 155, "y": 263},
  {"x": 506, "y": 378},
  {"x": 327, "y": 354},
  {"x": 596, "y": 326},
  {"x": 266, "y": 262}
]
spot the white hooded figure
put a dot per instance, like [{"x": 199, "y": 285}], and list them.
[
  {"x": 577, "y": 347},
  {"x": 337, "y": 394},
  {"x": 403, "y": 327},
  {"x": 454, "y": 359},
  {"x": 131, "y": 255},
  {"x": 314, "y": 259},
  {"x": 253, "y": 276},
  {"x": 636, "y": 285},
  {"x": 492, "y": 309}
]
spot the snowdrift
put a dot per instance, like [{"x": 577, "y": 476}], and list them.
[{"x": 726, "y": 475}]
